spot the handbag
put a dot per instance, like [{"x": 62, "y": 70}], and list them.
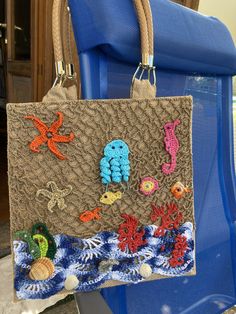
[{"x": 101, "y": 191}]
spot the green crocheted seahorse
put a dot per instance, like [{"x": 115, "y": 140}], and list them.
[
  {"x": 41, "y": 229},
  {"x": 33, "y": 247},
  {"x": 41, "y": 243}
]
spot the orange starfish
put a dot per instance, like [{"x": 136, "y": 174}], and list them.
[{"x": 49, "y": 136}]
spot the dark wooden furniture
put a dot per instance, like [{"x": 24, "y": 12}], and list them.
[
  {"x": 192, "y": 4},
  {"x": 29, "y": 50},
  {"x": 27, "y": 65}
]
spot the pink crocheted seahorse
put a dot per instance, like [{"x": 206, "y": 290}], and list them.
[{"x": 171, "y": 146}]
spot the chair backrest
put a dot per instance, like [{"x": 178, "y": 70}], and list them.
[{"x": 194, "y": 55}]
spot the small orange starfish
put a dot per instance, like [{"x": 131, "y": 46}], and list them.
[{"x": 49, "y": 136}]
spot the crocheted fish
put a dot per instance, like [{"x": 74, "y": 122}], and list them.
[
  {"x": 115, "y": 165},
  {"x": 89, "y": 215},
  {"x": 178, "y": 190},
  {"x": 109, "y": 198}
]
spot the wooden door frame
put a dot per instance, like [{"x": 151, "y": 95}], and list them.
[
  {"x": 40, "y": 68},
  {"x": 43, "y": 70},
  {"x": 14, "y": 67},
  {"x": 42, "y": 49},
  {"x": 192, "y": 4}
]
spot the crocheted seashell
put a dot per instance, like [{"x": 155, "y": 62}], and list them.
[
  {"x": 71, "y": 282},
  {"x": 41, "y": 269},
  {"x": 145, "y": 270}
]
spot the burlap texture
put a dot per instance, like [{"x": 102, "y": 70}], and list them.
[
  {"x": 142, "y": 89},
  {"x": 138, "y": 122},
  {"x": 59, "y": 93}
]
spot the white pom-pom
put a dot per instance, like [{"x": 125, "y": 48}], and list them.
[
  {"x": 71, "y": 282},
  {"x": 145, "y": 270}
]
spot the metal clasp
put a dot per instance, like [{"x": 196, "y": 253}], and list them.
[
  {"x": 150, "y": 69},
  {"x": 60, "y": 73}
]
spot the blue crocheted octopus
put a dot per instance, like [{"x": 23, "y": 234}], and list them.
[{"x": 115, "y": 165}]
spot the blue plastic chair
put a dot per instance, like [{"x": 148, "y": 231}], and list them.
[{"x": 195, "y": 55}]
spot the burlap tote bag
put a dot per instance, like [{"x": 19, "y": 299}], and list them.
[{"x": 101, "y": 191}]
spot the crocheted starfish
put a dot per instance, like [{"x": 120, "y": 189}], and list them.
[
  {"x": 56, "y": 196},
  {"x": 49, "y": 136}
]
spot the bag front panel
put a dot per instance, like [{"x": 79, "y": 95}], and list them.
[
  {"x": 140, "y": 123},
  {"x": 63, "y": 173}
]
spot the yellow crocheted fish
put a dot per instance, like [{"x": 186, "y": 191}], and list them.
[{"x": 109, "y": 198}]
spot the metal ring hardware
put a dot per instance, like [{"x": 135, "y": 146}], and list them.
[{"x": 143, "y": 68}]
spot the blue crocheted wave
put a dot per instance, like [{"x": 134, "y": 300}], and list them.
[{"x": 81, "y": 257}]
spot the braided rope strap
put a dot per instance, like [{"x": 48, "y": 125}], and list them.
[
  {"x": 61, "y": 34},
  {"x": 143, "y": 88}
]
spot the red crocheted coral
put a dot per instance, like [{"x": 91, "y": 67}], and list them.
[
  {"x": 170, "y": 218},
  {"x": 49, "y": 136},
  {"x": 129, "y": 235},
  {"x": 181, "y": 245}
]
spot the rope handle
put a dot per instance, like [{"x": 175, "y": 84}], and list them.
[
  {"x": 144, "y": 15},
  {"x": 67, "y": 36},
  {"x": 62, "y": 43},
  {"x": 57, "y": 44},
  {"x": 61, "y": 35}
]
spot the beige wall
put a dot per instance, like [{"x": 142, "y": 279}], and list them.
[{"x": 224, "y": 10}]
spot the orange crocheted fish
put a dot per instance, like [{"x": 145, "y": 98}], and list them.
[
  {"x": 89, "y": 215},
  {"x": 178, "y": 190}
]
